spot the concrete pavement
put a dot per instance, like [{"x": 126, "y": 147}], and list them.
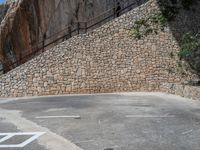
[{"x": 123, "y": 121}]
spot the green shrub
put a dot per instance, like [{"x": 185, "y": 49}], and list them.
[
  {"x": 190, "y": 50},
  {"x": 159, "y": 19},
  {"x": 146, "y": 26},
  {"x": 136, "y": 33}
]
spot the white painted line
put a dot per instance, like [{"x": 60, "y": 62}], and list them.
[
  {"x": 21, "y": 133},
  {"x": 6, "y": 137},
  {"x": 50, "y": 141},
  {"x": 52, "y": 117},
  {"x": 31, "y": 139},
  {"x": 149, "y": 116},
  {"x": 23, "y": 144}
]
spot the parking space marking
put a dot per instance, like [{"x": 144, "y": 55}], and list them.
[
  {"x": 51, "y": 141},
  {"x": 34, "y": 136},
  {"x": 7, "y": 136},
  {"x": 52, "y": 117}
]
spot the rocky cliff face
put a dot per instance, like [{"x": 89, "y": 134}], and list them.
[
  {"x": 27, "y": 21},
  {"x": 3, "y": 10}
]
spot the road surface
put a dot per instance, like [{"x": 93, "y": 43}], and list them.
[{"x": 123, "y": 121}]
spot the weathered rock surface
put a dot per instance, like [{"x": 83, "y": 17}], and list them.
[{"x": 3, "y": 10}]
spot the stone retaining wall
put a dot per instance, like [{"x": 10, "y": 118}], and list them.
[{"x": 107, "y": 59}]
